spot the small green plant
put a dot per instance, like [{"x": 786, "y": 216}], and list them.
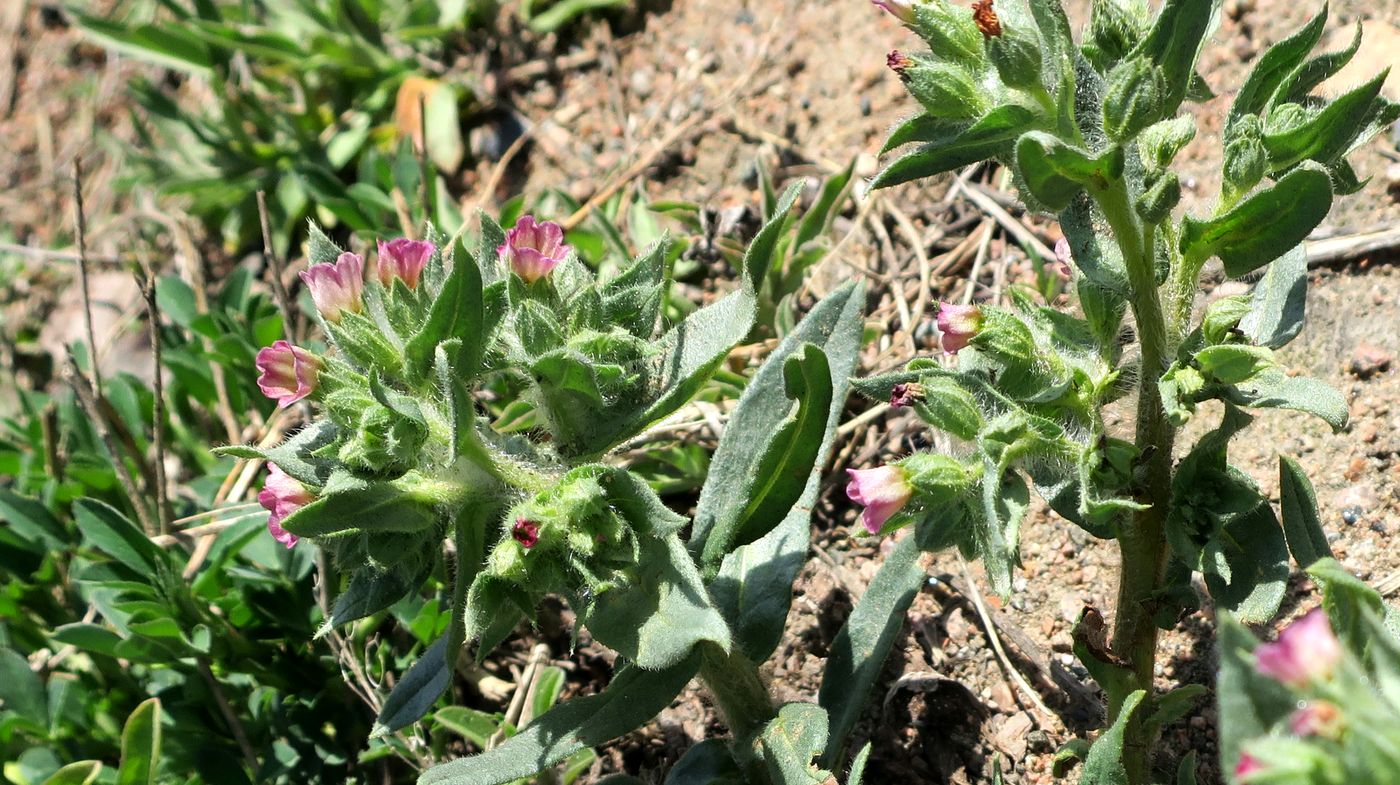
[{"x": 1089, "y": 131}]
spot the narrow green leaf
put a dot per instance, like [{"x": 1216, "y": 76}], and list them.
[
  {"x": 416, "y": 692},
  {"x": 789, "y": 741},
  {"x": 30, "y": 519},
  {"x": 369, "y": 505},
  {"x": 1301, "y": 524},
  {"x": 1275, "y": 66},
  {"x": 296, "y": 456},
  {"x": 1250, "y": 702},
  {"x": 1055, "y": 172},
  {"x": 80, "y": 773},
  {"x": 759, "y": 256},
  {"x": 632, "y": 698},
  {"x": 1276, "y": 306},
  {"x": 458, "y": 312},
  {"x": 369, "y": 592},
  {"x": 1265, "y": 226},
  {"x": 475, "y": 726},
  {"x": 707, "y": 763},
  {"x": 141, "y": 745},
  {"x": 109, "y": 531},
  {"x": 1329, "y": 133},
  {"x": 950, "y": 149},
  {"x": 1104, "y": 763},
  {"x": 818, "y": 218},
  {"x": 1275, "y": 389},
  {"x": 1174, "y": 43},
  {"x": 21, "y": 691},
  {"x": 860, "y": 648}
]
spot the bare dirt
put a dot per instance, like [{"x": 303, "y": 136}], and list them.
[{"x": 681, "y": 109}]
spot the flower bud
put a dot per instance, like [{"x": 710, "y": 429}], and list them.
[
  {"x": 1247, "y": 766},
  {"x": 404, "y": 259},
  {"x": 336, "y": 287},
  {"x": 947, "y": 406},
  {"x": 957, "y": 325},
  {"x": 949, "y": 31},
  {"x": 533, "y": 249},
  {"x": 1017, "y": 59},
  {"x": 938, "y": 479},
  {"x": 287, "y": 373},
  {"x": 944, "y": 89},
  {"x": 525, "y": 532},
  {"x": 883, "y": 491},
  {"x": 1246, "y": 160},
  {"x": 906, "y": 393},
  {"x": 385, "y": 442},
  {"x": 903, "y": 10},
  {"x": 985, "y": 17},
  {"x": 1064, "y": 258},
  {"x": 1133, "y": 98},
  {"x": 898, "y": 62},
  {"x": 1306, "y": 651},
  {"x": 1317, "y": 718},
  {"x": 1156, "y": 204},
  {"x": 281, "y": 496}
]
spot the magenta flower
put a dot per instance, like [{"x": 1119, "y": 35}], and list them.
[
  {"x": 1316, "y": 718},
  {"x": 898, "y": 62},
  {"x": 903, "y": 10},
  {"x": 281, "y": 496},
  {"x": 882, "y": 490},
  {"x": 958, "y": 324},
  {"x": 1248, "y": 766},
  {"x": 534, "y": 249},
  {"x": 287, "y": 373},
  {"x": 336, "y": 287},
  {"x": 1064, "y": 258},
  {"x": 1306, "y": 651},
  {"x": 404, "y": 259},
  {"x": 906, "y": 393},
  {"x": 526, "y": 532}
]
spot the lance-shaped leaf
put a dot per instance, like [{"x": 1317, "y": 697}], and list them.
[
  {"x": 469, "y": 534},
  {"x": 1276, "y": 306},
  {"x": 632, "y": 698},
  {"x": 141, "y": 745},
  {"x": 1317, "y": 70},
  {"x": 458, "y": 312},
  {"x": 662, "y": 613},
  {"x": 416, "y": 692},
  {"x": 369, "y": 592},
  {"x": 1275, "y": 389},
  {"x": 297, "y": 456},
  {"x": 949, "y": 147},
  {"x": 1055, "y": 172},
  {"x": 350, "y": 503},
  {"x": 106, "y": 529},
  {"x": 706, "y": 763},
  {"x": 1275, "y": 66},
  {"x": 758, "y": 258},
  {"x": 860, "y": 648},
  {"x": 1329, "y": 133},
  {"x": 1301, "y": 525},
  {"x": 790, "y": 741},
  {"x": 1254, "y": 549},
  {"x": 1174, "y": 43},
  {"x": 1265, "y": 226}
]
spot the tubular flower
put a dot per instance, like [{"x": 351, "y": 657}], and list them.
[
  {"x": 281, "y": 496},
  {"x": 958, "y": 324},
  {"x": 1306, "y": 651},
  {"x": 404, "y": 259},
  {"x": 533, "y": 248},
  {"x": 883, "y": 491},
  {"x": 287, "y": 373},
  {"x": 526, "y": 532},
  {"x": 1316, "y": 718},
  {"x": 1248, "y": 765},
  {"x": 903, "y": 10},
  {"x": 898, "y": 62},
  {"x": 906, "y": 393},
  {"x": 336, "y": 287}
]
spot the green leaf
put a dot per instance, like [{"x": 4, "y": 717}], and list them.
[
  {"x": 787, "y": 744},
  {"x": 632, "y": 698},
  {"x": 663, "y": 611},
  {"x": 1347, "y": 600},
  {"x": 1276, "y": 306},
  {"x": 93, "y": 638},
  {"x": 753, "y": 589},
  {"x": 469, "y": 533},
  {"x": 1174, "y": 43},
  {"x": 458, "y": 312},
  {"x": 475, "y": 726},
  {"x": 1317, "y": 70},
  {"x": 1275, "y": 66},
  {"x": 167, "y": 45},
  {"x": 30, "y": 519},
  {"x": 80, "y": 773},
  {"x": 758, "y": 258},
  {"x": 1104, "y": 763},
  {"x": 1301, "y": 524},
  {"x": 416, "y": 692},
  {"x": 350, "y": 503},
  {"x": 109, "y": 531},
  {"x": 1004, "y": 506},
  {"x": 1254, "y": 548},
  {"x": 319, "y": 248},
  {"x": 369, "y": 592},
  {"x": 1265, "y": 226},
  {"x": 1055, "y": 172},
  {"x": 1186, "y": 771},
  {"x": 1250, "y": 702},
  {"x": 706, "y": 763},
  {"x": 21, "y": 691},
  {"x": 1275, "y": 389},
  {"x": 857, "y": 772},
  {"x": 141, "y": 745},
  {"x": 771, "y": 446},
  {"x": 1328, "y": 134},
  {"x": 858, "y": 653},
  {"x": 297, "y": 456},
  {"x": 955, "y": 146},
  {"x": 818, "y": 218}
]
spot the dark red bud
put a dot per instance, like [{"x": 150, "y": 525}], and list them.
[
  {"x": 525, "y": 532},
  {"x": 906, "y": 393},
  {"x": 898, "y": 62},
  {"x": 986, "y": 19}
]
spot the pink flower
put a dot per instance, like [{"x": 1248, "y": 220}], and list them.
[
  {"x": 1064, "y": 258},
  {"x": 1305, "y": 651},
  {"x": 958, "y": 324},
  {"x": 903, "y": 10},
  {"x": 898, "y": 62},
  {"x": 906, "y": 393},
  {"x": 336, "y": 287},
  {"x": 281, "y": 496},
  {"x": 404, "y": 259},
  {"x": 534, "y": 249},
  {"x": 287, "y": 373},
  {"x": 883, "y": 491},
  {"x": 526, "y": 532},
  {"x": 1316, "y": 718},
  {"x": 1248, "y": 766}
]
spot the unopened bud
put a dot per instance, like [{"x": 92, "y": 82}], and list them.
[
  {"x": 898, "y": 62},
  {"x": 906, "y": 393},
  {"x": 986, "y": 19}
]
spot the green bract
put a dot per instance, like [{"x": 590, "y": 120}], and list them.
[{"x": 1090, "y": 132}]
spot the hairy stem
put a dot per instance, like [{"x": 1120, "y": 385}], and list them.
[
  {"x": 1142, "y": 544},
  {"x": 738, "y": 691}
]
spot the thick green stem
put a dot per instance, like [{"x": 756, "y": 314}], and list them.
[
  {"x": 1142, "y": 544},
  {"x": 738, "y": 690}
]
